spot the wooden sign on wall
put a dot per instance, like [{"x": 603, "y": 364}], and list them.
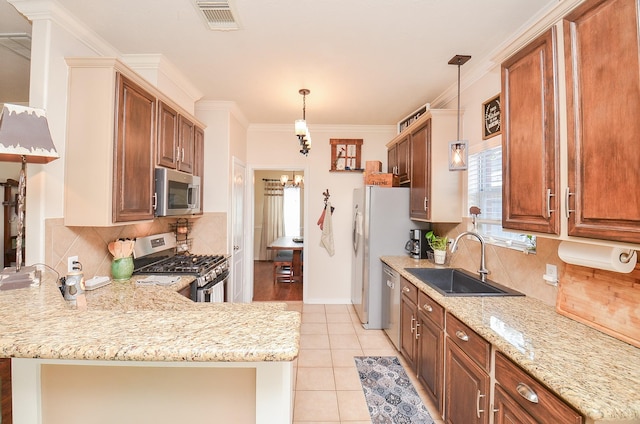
[{"x": 491, "y": 118}]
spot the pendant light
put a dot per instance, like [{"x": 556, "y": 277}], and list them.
[
  {"x": 458, "y": 149},
  {"x": 301, "y": 129}
]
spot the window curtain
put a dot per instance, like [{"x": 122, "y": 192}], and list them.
[{"x": 272, "y": 217}]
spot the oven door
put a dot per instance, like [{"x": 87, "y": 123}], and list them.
[{"x": 213, "y": 292}]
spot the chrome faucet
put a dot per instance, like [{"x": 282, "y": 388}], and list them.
[{"x": 483, "y": 271}]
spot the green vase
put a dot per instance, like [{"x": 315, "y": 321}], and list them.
[{"x": 121, "y": 269}]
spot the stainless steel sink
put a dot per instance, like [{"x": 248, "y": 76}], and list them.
[{"x": 458, "y": 282}]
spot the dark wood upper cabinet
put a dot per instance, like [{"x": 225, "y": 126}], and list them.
[
  {"x": 167, "y": 146},
  {"x": 420, "y": 168},
  {"x": 133, "y": 183},
  {"x": 186, "y": 130},
  {"x": 603, "y": 105},
  {"x": 530, "y": 142}
]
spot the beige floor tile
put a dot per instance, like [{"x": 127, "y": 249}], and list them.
[
  {"x": 316, "y": 406},
  {"x": 313, "y": 328},
  {"x": 314, "y": 341},
  {"x": 344, "y": 341},
  {"x": 381, "y": 352},
  {"x": 318, "y": 309},
  {"x": 374, "y": 341},
  {"x": 314, "y": 317},
  {"x": 352, "y": 405},
  {"x": 336, "y": 309},
  {"x": 315, "y": 358},
  {"x": 347, "y": 378},
  {"x": 344, "y": 357},
  {"x": 315, "y": 379},
  {"x": 340, "y": 328},
  {"x": 345, "y": 317}
]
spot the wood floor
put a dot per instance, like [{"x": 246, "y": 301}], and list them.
[{"x": 265, "y": 290}]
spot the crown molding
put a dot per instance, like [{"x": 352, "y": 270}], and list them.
[{"x": 225, "y": 106}]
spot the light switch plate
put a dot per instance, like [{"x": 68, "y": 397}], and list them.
[{"x": 552, "y": 271}]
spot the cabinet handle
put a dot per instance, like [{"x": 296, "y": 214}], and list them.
[
  {"x": 462, "y": 335},
  {"x": 478, "y": 410},
  {"x": 177, "y": 154},
  {"x": 155, "y": 201},
  {"x": 428, "y": 307},
  {"x": 527, "y": 392},
  {"x": 549, "y": 196},
  {"x": 426, "y": 203},
  {"x": 413, "y": 328},
  {"x": 406, "y": 289},
  {"x": 417, "y": 330},
  {"x": 566, "y": 202},
  {"x": 182, "y": 160}
]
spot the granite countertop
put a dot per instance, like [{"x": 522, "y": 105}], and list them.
[
  {"x": 595, "y": 373},
  {"x": 126, "y": 321}
]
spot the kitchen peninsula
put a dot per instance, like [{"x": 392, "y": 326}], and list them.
[
  {"x": 144, "y": 349},
  {"x": 595, "y": 374}
]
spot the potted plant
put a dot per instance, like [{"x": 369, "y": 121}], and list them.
[{"x": 439, "y": 244}]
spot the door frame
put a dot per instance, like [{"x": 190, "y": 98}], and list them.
[{"x": 250, "y": 217}]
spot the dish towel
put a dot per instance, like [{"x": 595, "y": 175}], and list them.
[{"x": 326, "y": 239}]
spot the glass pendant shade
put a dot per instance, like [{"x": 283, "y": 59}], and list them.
[
  {"x": 458, "y": 155},
  {"x": 301, "y": 127}
]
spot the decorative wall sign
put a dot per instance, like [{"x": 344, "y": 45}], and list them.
[
  {"x": 491, "y": 117},
  {"x": 345, "y": 154}
]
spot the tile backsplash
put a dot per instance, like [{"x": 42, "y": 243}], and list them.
[{"x": 208, "y": 234}]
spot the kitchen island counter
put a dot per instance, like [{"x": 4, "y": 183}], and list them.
[
  {"x": 153, "y": 329},
  {"x": 595, "y": 373}
]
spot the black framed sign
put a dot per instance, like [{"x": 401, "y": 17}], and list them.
[{"x": 491, "y": 118}]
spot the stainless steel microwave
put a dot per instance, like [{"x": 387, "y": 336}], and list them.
[{"x": 177, "y": 193}]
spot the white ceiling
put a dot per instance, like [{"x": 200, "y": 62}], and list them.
[{"x": 365, "y": 61}]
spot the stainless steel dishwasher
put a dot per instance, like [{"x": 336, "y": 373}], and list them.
[{"x": 391, "y": 304}]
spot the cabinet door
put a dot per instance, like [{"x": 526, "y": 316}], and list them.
[
  {"x": 403, "y": 160},
  {"x": 6, "y": 414},
  {"x": 392, "y": 159},
  {"x": 430, "y": 353},
  {"x": 507, "y": 411},
  {"x": 466, "y": 389},
  {"x": 530, "y": 142},
  {"x": 133, "y": 155},
  {"x": 420, "y": 140},
  {"x": 603, "y": 105},
  {"x": 407, "y": 331},
  {"x": 198, "y": 162},
  {"x": 167, "y": 145},
  {"x": 187, "y": 139}
]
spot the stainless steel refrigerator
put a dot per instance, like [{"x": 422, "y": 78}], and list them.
[{"x": 380, "y": 227}]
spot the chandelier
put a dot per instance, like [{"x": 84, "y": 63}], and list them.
[
  {"x": 302, "y": 131},
  {"x": 296, "y": 181}
]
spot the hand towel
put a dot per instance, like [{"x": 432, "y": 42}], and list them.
[
  {"x": 326, "y": 240},
  {"x": 321, "y": 219}
]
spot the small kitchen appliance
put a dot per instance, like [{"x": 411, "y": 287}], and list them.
[
  {"x": 156, "y": 255},
  {"x": 418, "y": 246}
]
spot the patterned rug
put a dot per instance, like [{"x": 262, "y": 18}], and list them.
[{"x": 391, "y": 397}]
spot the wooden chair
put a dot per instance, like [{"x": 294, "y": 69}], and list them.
[{"x": 283, "y": 267}]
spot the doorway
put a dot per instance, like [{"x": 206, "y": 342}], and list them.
[{"x": 278, "y": 210}]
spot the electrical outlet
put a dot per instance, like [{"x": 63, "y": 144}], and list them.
[
  {"x": 70, "y": 261},
  {"x": 552, "y": 271}
]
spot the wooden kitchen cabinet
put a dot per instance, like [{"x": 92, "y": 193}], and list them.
[
  {"x": 112, "y": 135},
  {"x": 6, "y": 410},
  {"x": 435, "y": 192},
  {"x": 467, "y": 381},
  {"x": 167, "y": 145},
  {"x": 408, "y": 321},
  {"x": 186, "y": 144},
  {"x": 430, "y": 348},
  {"x": 133, "y": 182},
  {"x": 398, "y": 159},
  {"x": 602, "y": 79},
  {"x": 520, "y": 398},
  {"x": 530, "y": 142}
]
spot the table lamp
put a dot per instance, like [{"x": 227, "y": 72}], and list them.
[{"x": 25, "y": 138}]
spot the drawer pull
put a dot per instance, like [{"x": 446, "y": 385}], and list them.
[
  {"x": 417, "y": 330},
  {"x": 462, "y": 335},
  {"x": 406, "y": 289},
  {"x": 527, "y": 392},
  {"x": 428, "y": 307},
  {"x": 478, "y": 410},
  {"x": 413, "y": 328}
]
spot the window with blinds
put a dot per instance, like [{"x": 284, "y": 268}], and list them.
[{"x": 485, "y": 191}]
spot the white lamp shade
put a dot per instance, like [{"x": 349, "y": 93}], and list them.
[
  {"x": 301, "y": 127},
  {"x": 24, "y": 132}
]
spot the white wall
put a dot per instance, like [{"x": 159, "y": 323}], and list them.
[{"x": 327, "y": 279}]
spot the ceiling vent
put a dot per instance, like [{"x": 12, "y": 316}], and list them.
[{"x": 219, "y": 15}]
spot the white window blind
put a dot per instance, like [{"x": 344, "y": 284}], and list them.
[{"x": 485, "y": 191}]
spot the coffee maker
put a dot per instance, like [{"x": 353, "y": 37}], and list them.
[{"x": 418, "y": 245}]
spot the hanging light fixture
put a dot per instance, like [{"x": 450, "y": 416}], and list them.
[
  {"x": 458, "y": 149},
  {"x": 297, "y": 180},
  {"x": 302, "y": 131}
]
